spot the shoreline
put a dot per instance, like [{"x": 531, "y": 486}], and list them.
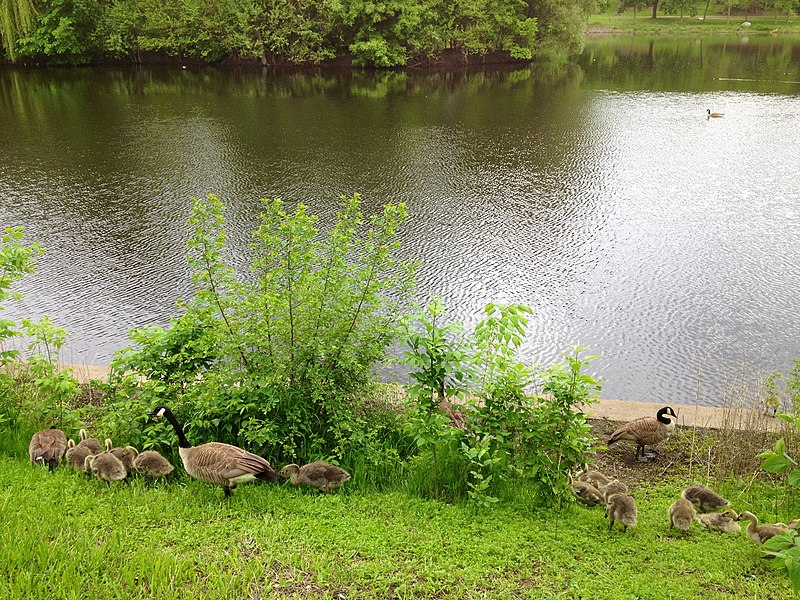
[{"x": 689, "y": 415}]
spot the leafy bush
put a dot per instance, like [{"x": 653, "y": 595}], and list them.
[
  {"x": 497, "y": 433},
  {"x": 278, "y": 359}
]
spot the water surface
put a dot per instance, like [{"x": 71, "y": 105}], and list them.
[{"x": 597, "y": 192}]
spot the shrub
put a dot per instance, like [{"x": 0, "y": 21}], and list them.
[{"x": 279, "y": 358}]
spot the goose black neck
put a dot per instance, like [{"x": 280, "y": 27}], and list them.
[{"x": 182, "y": 441}]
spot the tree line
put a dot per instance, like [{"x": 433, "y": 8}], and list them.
[{"x": 375, "y": 33}]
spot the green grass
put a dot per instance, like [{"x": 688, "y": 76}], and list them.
[
  {"x": 66, "y": 535},
  {"x": 713, "y": 24}
]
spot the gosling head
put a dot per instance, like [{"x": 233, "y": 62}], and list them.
[{"x": 289, "y": 470}]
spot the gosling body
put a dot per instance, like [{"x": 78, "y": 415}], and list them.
[
  {"x": 106, "y": 466},
  {"x": 587, "y": 494},
  {"x": 151, "y": 464},
  {"x": 704, "y": 498},
  {"x": 76, "y": 456},
  {"x": 93, "y": 444},
  {"x": 622, "y": 509},
  {"x": 724, "y": 521},
  {"x": 319, "y": 474},
  {"x": 761, "y": 533},
  {"x": 681, "y": 514}
]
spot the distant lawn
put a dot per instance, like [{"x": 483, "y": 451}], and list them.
[
  {"x": 713, "y": 24},
  {"x": 65, "y": 535}
]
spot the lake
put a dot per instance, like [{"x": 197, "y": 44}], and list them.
[{"x": 595, "y": 191}]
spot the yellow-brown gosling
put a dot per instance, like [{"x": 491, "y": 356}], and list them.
[
  {"x": 126, "y": 455},
  {"x": 622, "y": 508},
  {"x": 704, "y": 498},
  {"x": 596, "y": 478},
  {"x": 647, "y": 431},
  {"x": 586, "y": 493},
  {"x": 681, "y": 514},
  {"x": 76, "y": 456},
  {"x": 92, "y": 443},
  {"x": 152, "y": 464},
  {"x": 319, "y": 474},
  {"x": 218, "y": 463},
  {"x": 614, "y": 486},
  {"x": 724, "y": 521},
  {"x": 761, "y": 533},
  {"x": 47, "y": 447},
  {"x": 106, "y": 466}
]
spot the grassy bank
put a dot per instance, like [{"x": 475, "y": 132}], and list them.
[
  {"x": 69, "y": 536},
  {"x": 711, "y": 25}
]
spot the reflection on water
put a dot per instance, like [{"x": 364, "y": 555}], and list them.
[{"x": 596, "y": 192}]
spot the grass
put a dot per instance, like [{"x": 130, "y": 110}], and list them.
[
  {"x": 673, "y": 24},
  {"x": 69, "y": 536}
]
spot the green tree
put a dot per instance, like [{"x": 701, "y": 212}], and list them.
[{"x": 17, "y": 18}]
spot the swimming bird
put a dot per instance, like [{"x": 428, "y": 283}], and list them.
[
  {"x": 622, "y": 508},
  {"x": 724, "y": 521},
  {"x": 647, "y": 431},
  {"x": 47, "y": 447},
  {"x": 713, "y": 115},
  {"x": 152, "y": 464},
  {"x": 218, "y": 463},
  {"x": 319, "y": 474},
  {"x": 704, "y": 498},
  {"x": 681, "y": 514},
  {"x": 76, "y": 456},
  {"x": 761, "y": 533},
  {"x": 92, "y": 443}
]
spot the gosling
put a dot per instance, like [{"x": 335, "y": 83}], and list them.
[
  {"x": 704, "y": 499},
  {"x": 586, "y": 493},
  {"x": 613, "y": 487},
  {"x": 76, "y": 456},
  {"x": 724, "y": 521},
  {"x": 622, "y": 508},
  {"x": 596, "y": 478},
  {"x": 151, "y": 464},
  {"x": 681, "y": 514},
  {"x": 761, "y": 533},
  {"x": 319, "y": 474},
  {"x": 106, "y": 466}
]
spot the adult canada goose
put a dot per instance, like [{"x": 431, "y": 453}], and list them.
[
  {"x": 705, "y": 499},
  {"x": 152, "y": 464},
  {"x": 724, "y": 521},
  {"x": 319, "y": 474},
  {"x": 596, "y": 478},
  {"x": 76, "y": 456},
  {"x": 47, "y": 447},
  {"x": 622, "y": 508},
  {"x": 713, "y": 115},
  {"x": 218, "y": 463},
  {"x": 761, "y": 533},
  {"x": 586, "y": 493},
  {"x": 681, "y": 514},
  {"x": 647, "y": 431},
  {"x": 92, "y": 443},
  {"x": 106, "y": 466}
]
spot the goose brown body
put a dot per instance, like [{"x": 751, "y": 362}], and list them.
[
  {"x": 93, "y": 444},
  {"x": 646, "y": 431},
  {"x": 622, "y": 508},
  {"x": 76, "y": 456},
  {"x": 681, "y": 514},
  {"x": 47, "y": 447},
  {"x": 152, "y": 464},
  {"x": 216, "y": 462},
  {"x": 319, "y": 474},
  {"x": 704, "y": 498},
  {"x": 761, "y": 533},
  {"x": 724, "y": 521}
]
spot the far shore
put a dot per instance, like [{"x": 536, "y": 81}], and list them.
[{"x": 689, "y": 415}]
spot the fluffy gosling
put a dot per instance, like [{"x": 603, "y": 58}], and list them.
[
  {"x": 586, "y": 493},
  {"x": 724, "y": 521},
  {"x": 106, "y": 466},
  {"x": 151, "y": 464},
  {"x": 704, "y": 499},
  {"x": 319, "y": 474},
  {"x": 681, "y": 514},
  {"x": 76, "y": 456},
  {"x": 761, "y": 533},
  {"x": 622, "y": 508}
]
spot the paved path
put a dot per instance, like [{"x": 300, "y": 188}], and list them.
[{"x": 614, "y": 410}]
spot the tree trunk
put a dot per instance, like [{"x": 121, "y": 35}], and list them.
[{"x": 655, "y": 8}]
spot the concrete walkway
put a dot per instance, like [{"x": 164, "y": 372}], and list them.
[{"x": 613, "y": 410}]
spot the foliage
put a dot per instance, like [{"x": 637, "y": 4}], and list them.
[
  {"x": 280, "y": 358},
  {"x": 785, "y": 547},
  {"x": 374, "y": 33},
  {"x": 497, "y": 433}
]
